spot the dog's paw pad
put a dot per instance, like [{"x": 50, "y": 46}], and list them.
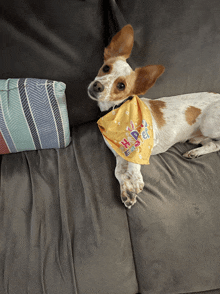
[
  {"x": 129, "y": 191},
  {"x": 129, "y": 198}
]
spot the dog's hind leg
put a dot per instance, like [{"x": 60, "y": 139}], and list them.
[
  {"x": 210, "y": 131},
  {"x": 209, "y": 146}
]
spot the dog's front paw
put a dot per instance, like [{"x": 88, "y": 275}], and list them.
[{"x": 130, "y": 187}]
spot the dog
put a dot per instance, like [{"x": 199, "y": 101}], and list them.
[{"x": 189, "y": 117}]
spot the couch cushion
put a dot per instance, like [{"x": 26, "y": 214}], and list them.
[
  {"x": 181, "y": 35},
  {"x": 63, "y": 228},
  {"x": 175, "y": 224},
  {"x": 56, "y": 40}
]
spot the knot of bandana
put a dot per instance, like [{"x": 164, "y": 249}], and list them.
[
  {"x": 114, "y": 107},
  {"x": 129, "y": 131}
]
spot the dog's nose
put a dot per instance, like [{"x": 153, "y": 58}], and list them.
[{"x": 98, "y": 87}]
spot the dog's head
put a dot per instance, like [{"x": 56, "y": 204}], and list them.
[{"x": 116, "y": 80}]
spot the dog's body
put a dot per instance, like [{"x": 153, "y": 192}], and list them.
[{"x": 193, "y": 117}]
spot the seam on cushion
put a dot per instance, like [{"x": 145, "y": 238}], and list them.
[{"x": 66, "y": 214}]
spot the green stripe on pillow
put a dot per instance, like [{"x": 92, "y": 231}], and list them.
[{"x": 14, "y": 116}]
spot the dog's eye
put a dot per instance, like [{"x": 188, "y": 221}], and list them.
[
  {"x": 106, "y": 68},
  {"x": 121, "y": 86}
]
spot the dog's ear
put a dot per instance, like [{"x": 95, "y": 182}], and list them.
[
  {"x": 121, "y": 44},
  {"x": 146, "y": 78}
]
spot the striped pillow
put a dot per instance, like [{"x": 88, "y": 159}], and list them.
[{"x": 33, "y": 115}]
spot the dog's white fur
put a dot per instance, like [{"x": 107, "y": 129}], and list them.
[{"x": 194, "y": 117}]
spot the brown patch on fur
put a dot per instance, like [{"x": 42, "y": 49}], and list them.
[
  {"x": 197, "y": 137},
  {"x": 197, "y": 133},
  {"x": 110, "y": 63},
  {"x": 191, "y": 114},
  {"x": 156, "y": 107},
  {"x": 116, "y": 94},
  {"x": 137, "y": 83},
  {"x": 101, "y": 73}
]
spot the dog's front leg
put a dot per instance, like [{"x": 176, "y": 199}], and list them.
[{"x": 130, "y": 179}]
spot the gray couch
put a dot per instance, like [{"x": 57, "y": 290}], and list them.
[{"x": 63, "y": 228}]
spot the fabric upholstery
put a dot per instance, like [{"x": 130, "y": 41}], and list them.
[
  {"x": 63, "y": 226},
  {"x": 57, "y": 40},
  {"x": 181, "y": 35},
  {"x": 64, "y": 232}
]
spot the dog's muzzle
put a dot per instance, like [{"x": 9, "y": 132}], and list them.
[
  {"x": 98, "y": 87},
  {"x": 94, "y": 89}
]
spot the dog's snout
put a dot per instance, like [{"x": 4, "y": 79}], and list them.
[{"x": 98, "y": 87}]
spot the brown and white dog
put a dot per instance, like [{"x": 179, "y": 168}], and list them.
[{"x": 194, "y": 117}]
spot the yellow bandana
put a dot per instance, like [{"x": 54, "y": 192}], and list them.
[{"x": 128, "y": 129}]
